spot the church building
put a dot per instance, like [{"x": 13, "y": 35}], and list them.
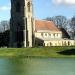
[
  {"x": 48, "y": 34},
  {"x": 25, "y": 31}
]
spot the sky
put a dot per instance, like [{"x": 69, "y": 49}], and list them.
[{"x": 42, "y": 8}]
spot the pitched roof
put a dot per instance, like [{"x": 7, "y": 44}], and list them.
[{"x": 45, "y": 25}]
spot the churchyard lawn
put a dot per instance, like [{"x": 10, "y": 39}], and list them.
[{"x": 38, "y": 52}]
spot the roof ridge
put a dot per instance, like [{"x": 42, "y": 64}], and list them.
[{"x": 43, "y": 20}]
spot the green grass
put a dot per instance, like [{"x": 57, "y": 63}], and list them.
[{"x": 34, "y": 52}]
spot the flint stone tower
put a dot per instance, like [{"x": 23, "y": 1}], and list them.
[{"x": 21, "y": 23}]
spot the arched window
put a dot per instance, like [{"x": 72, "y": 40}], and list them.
[
  {"x": 42, "y": 34},
  {"x": 45, "y": 34},
  {"x": 50, "y": 44},
  {"x": 28, "y": 5},
  {"x": 68, "y": 43}
]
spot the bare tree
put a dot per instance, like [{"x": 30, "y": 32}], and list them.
[
  {"x": 60, "y": 21},
  {"x": 72, "y": 25},
  {"x": 5, "y": 25}
]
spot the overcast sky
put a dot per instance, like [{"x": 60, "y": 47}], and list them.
[{"x": 42, "y": 8}]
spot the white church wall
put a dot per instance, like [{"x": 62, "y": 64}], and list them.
[{"x": 61, "y": 42}]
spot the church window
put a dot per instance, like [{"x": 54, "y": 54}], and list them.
[
  {"x": 57, "y": 34},
  {"x": 49, "y": 34},
  {"x": 41, "y": 34},
  {"x": 25, "y": 23},
  {"x": 68, "y": 43},
  {"x": 45, "y": 34},
  {"x": 54, "y": 35},
  {"x": 50, "y": 44},
  {"x": 28, "y": 6}
]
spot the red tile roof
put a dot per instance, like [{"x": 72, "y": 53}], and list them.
[{"x": 45, "y": 25}]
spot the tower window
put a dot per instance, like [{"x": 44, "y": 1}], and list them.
[{"x": 28, "y": 6}]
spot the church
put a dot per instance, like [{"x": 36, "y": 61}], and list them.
[
  {"x": 48, "y": 34},
  {"x": 25, "y": 31}
]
